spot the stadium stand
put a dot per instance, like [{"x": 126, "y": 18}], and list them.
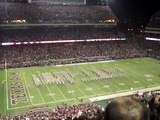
[
  {"x": 64, "y": 53},
  {"x": 33, "y": 55},
  {"x": 58, "y": 33},
  {"x": 32, "y": 13}
]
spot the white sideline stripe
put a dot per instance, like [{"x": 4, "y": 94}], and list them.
[
  {"x": 68, "y": 64},
  {"x": 122, "y": 94},
  {"x": 86, "y": 63},
  {"x": 26, "y": 87}
]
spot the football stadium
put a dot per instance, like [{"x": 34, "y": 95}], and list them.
[{"x": 69, "y": 59}]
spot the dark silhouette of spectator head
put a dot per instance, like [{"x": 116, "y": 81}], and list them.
[
  {"x": 90, "y": 116},
  {"x": 157, "y": 102},
  {"x": 158, "y": 112},
  {"x": 126, "y": 108}
]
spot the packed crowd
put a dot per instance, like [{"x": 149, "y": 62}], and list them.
[
  {"x": 54, "y": 13},
  {"x": 44, "y": 54},
  {"x": 146, "y": 103},
  {"x": 58, "y": 33},
  {"x": 74, "y": 112}
]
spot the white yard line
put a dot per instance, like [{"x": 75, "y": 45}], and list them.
[
  {"x": 132, "y": 76},
  {"x": 97, "y": 87},
  {"x": 142, "y": 82},
  {"x": 87, "y": 87},
  {"x": 80, "y": 90},
  {"x": 50, "y": 93},
  {"x": 61, "y": 92},
  {"x": 114, "y": 84},
  {"x": 93, "y": 83},
  {"x": 39, "y": 92},
  {"x": 41, "y": 96},
  {"x": 26, "y": 85},
  {"x": 103, "y": 85}
]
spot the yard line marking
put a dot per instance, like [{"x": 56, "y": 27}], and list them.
[
  {"x": 94, "y": 84},
  {"x": 85, "y": 84},
  {"x": 87, "y": 87},
  {"x": 114, "y": 84},
  {"x": 80, "y": 90},
  {"x": 61, "y": 92},
  {"x": 103, "y": 84},
  {"x": 106, "y": 86},
  {"x": 149, "y": 79},
  {"x": 77, "y": 86},
  {"x": 50, "y": 93},
  {"x": 136, "y": 82},
  {"x": 133, "y": 77},
  {"x": 26, "y": 87},
  {"x": 128, "y": 83},
  {"x": 98, "y": 87},
  {"x": 38, "y": 91},
  {"x": 121, "y": 84},
  {"x": 41, "y": 95}
]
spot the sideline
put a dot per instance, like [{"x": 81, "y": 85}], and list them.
[
  {"x": 86, "y": 63},
  {"x": 94, "y": 99}
]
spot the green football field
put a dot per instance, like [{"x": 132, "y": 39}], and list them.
[{"x": 22, "y": 89}]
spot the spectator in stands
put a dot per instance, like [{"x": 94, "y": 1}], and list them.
[
  {"x": 36, "y": 13},
  {"x": 126, "y": 108}
]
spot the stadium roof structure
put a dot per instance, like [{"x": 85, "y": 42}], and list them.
[
  {"x": 18, "y": 14},
  {"x": 154, "y": 24},
  {"x": 152, "y": 30}
]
